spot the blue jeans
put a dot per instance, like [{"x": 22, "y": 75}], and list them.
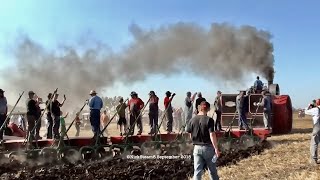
[
  {"x": 95, "y": 121},
  {"x": 242, "y": 121},
  {"x": 203, "y": 156},
  {"x": 315, "y": 139}
]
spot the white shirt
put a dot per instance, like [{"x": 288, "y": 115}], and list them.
[{"x": 314, "y": 112}]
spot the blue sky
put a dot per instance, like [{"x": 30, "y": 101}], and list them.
[{"x": 295, "y": 27}]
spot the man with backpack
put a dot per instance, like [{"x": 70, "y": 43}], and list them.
[{"x": 315, "y": 139}]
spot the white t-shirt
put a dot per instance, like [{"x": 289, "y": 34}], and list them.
[{"x": 314, "y": 112}]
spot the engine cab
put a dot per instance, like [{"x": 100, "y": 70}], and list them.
[{"x": 281, "y": 113}]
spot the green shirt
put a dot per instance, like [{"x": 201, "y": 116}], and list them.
[
  {"x": 63, "y": 125},
  {"x": 121, "y": 110}
]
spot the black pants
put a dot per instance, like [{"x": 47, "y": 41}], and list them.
[
  {"x": 133, "y": 118},
  {"x": 2, "y": 119},
  {"x": 153, "y": 121},
  {"x": 56, "y": 126},
  {"x": 38, "y": 127},
  {"x": 95, "y": 121},
  {"x": 217, "y": 124},
  {"x": 31, "y": 123},
  {"x": 169, "y": 120},
  {"x": 50, "y": 125}
]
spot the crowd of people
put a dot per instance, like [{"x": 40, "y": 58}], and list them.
[{"x": 171, "y": 118}]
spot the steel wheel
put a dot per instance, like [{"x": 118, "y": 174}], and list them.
[
  {"x": 49, "y": 154},
  {"x": 69, "y": 155},
  {"x": 87, "y": 153}
]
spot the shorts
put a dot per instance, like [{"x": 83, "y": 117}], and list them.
[{"x": 122, "y": 121}]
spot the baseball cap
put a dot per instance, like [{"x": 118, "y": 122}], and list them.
[
  {"x": 133, "y": 93},
  {"x": 92, "y": 92}
]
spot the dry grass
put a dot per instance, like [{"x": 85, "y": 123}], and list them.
[{"x": 288, "y": 159}]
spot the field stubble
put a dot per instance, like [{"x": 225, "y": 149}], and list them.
[{"x": 288, "y": 158}]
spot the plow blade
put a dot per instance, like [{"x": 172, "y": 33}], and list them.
[{"x": 259, "y": 132}]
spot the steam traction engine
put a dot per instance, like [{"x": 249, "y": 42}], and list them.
[{"x": 281, "y": 118}]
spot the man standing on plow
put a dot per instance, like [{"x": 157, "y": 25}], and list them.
[
  {"x": 39, "y": 110},
  {"x": 3, "y": 111},
  {"x": 49, "y": 117},
  {"x": 240, "y": 105},
  {"x": 205, "y": 152},
  {"x": 56, "y": 112},
  {"x": 258, "y": 85},
  {"x": 188, "y": 110},
  {"x": 315, "y": 139},
  {"x": 218, "y": 108},
  {"x": 121, "y": 110},
  {"x": 153, "y": 112},
  {"x": 266, "y": 104},
  {"x": 95, "y": 104},
  {"x": 169, "y": 111},
  {"x": 31, "y": 112},
  {"x": 135, "y": 106}
]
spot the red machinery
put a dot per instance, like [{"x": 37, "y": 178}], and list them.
[
  {"x": 179, "y": 143},
  {"x": 281, "y": 111},
  {"x": 281, "y": 118}
]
